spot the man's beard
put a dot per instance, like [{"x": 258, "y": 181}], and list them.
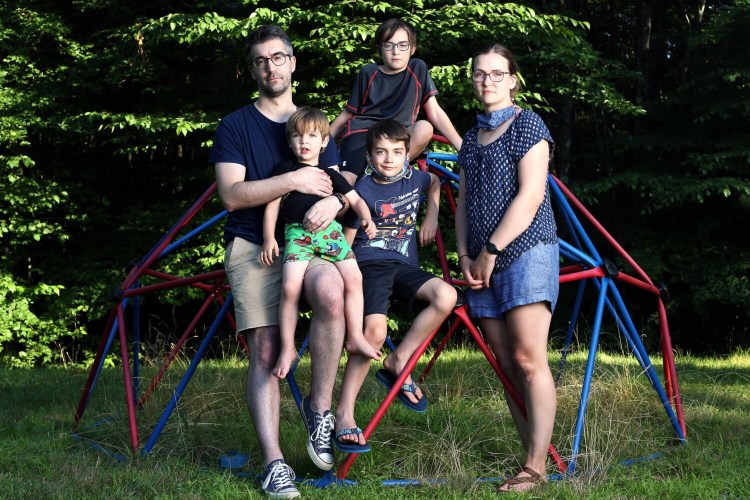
[{"x": 273, "y": 91}]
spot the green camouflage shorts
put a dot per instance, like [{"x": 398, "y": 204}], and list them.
[{"x": 329, "y": 244}]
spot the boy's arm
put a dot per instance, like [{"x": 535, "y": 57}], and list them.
[
  {"x": 363, "y": 212},
  {"x": 270, "y": 245},
  {"x": 337, "y": 126},
  {"x": 428, "y": 229},
  {"x": 441, "y": 122}
]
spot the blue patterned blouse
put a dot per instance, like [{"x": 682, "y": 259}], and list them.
[{"x": 491, "y": 177}]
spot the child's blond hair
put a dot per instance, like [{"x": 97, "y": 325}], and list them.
[{"x": 306, "y": 119}]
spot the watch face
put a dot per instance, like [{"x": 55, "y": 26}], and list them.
[{"x": 491, "y": 248}]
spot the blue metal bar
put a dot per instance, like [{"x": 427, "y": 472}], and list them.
[
  {"x": 188, "y": 374},
  {"x": 576, "y": 223},
  {"x": 213, "y": 220},
  {"x": 568, "y": 249},
  {"x": 571, "y": 326},
  {"x": 578, "y": 432},
  {"x": 651, "y": 373}
]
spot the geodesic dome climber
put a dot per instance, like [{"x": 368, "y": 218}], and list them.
[{"x": 581, "y": 263}]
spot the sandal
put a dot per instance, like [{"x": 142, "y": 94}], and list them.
[
  {"x": 350, "y": 446},
  {"x": 533, "y": 478},
  {"x": 387, "y": 379}
]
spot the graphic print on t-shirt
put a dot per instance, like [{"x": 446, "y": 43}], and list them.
[{"x": 396, "y": 218}]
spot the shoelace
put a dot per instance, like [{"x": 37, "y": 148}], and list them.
[
  {"x": 281, "y": 476},
  {"x": 323, "y": 431}
]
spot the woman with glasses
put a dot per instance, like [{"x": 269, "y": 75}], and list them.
[
  {"x": 395, "y": 89},
  {"x": 508, "y": 248}
]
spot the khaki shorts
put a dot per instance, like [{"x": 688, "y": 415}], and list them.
[{"x": 256, "y": 289}]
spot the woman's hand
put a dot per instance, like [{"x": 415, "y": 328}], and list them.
[
  {"x": 466, "y": 264},
  {"x": 481, "y": 269}
]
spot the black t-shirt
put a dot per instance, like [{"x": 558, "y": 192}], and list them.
[{"x": 295, "y": 205}]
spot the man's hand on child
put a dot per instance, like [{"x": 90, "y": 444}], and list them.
[
  {"x": 269, "y": 252},
  {"x": 369, "y": 226},
  {"x": 312, "y": 180}
]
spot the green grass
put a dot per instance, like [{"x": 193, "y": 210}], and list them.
[{"x": 466, "y": 433}]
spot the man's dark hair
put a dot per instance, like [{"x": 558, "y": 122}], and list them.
[{"x": 262, "y": 34}]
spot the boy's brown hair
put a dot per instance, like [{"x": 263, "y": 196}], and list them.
[
  {"x": 306, "y": 119},
  {"x": 386, "y": 31},
  {"x": 387, "y": 129}
]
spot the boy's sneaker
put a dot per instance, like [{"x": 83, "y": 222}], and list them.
[
  {"x": 278, "y": 481},
  {"x": 320, "y": 435}
]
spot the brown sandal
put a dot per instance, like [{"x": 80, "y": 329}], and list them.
[{"x": 533, "y": 478}]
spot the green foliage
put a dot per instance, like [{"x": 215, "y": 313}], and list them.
[{"x": 107, "y": 111}]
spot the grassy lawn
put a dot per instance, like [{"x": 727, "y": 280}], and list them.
[{"x": 466, "y": 433}]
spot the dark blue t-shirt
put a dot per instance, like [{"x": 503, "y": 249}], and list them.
[
  {"x": 247, "y": 137},
  {"x": 394, "y": 208}
]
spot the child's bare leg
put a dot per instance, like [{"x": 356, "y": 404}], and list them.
[
  {"x": 357, "y": 367},
  {"x": 421, "y": 135},
  {"x": 354, "y": 310},
  {"x": 441, "y": 299},
  {"x": 291, "y": 289}
]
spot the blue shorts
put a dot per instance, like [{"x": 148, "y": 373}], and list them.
[{"x": 533, "y": 277}]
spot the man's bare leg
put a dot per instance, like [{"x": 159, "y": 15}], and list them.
[
  {"x": 324, "y": 291},
  {"x": 262, "y": 390}
]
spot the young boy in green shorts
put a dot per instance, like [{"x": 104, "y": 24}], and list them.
[{"x": 308, "y": 133}]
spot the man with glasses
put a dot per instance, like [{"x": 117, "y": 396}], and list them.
[{"x": 248, "y": 144}]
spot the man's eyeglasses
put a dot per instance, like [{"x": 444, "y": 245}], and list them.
[
  {"x": 277, "y": 59},
  {"x": 496, "y": 76},
  {"x": 402, "y": 46}
]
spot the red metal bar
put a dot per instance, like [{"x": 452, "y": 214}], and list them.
[
  {"x": 136, "y": 272},
  {"x": 571, "y": 269},
  {"x": 462, "y": 312},
  {"x": 164, "y": 276},
  {"x": 601, "y": 229},
  {"x": 188, "y": 280},
  {"x": 638, "y": 283},
  {"x": 439, "y": 350},
  {"x": 127, "y": 378},
  {"x": 668, "y": 357},
  {"x": 594, "y": 272},
  {"x": 83, "y": 402},
  {"x": 176, "y": 349},
  {"x": 344, "y": 467}
]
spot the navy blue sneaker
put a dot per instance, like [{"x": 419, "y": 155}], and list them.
[
  {"x": 278, "y": 481},
  {"x": 320, "y": 435}
]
